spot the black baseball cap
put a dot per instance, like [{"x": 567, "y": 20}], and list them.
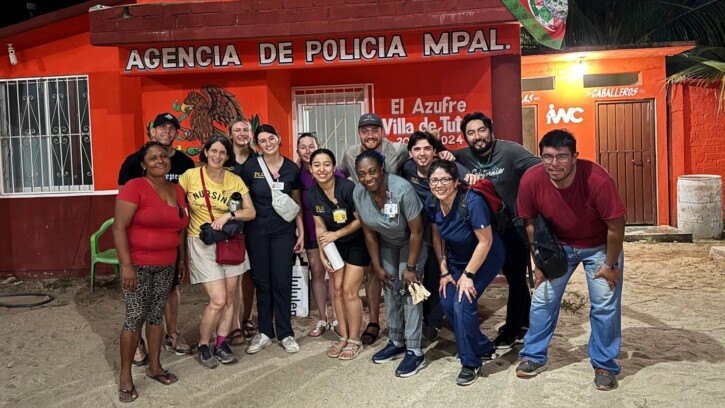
[
  {"x": 164, "y": 118},
  {"x": 370, "y": 119}
]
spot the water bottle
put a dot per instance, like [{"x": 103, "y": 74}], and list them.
[
  {"x": 333, "y": 255},
  {"x": 235, "y": 201}
]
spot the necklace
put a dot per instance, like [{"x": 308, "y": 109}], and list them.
[{"x": 488, "y": 157}]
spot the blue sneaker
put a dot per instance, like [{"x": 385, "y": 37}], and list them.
[
  {"x": 410, "y": 365},
  {"x": 389, "y": 352}
]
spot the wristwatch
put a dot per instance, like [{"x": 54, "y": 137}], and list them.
[
  {"x": 411, "y": 268},
  {"x": 233, "y": 215},
  {"x": 612, "y": 266},
  {"x": 469, "y": 275}
]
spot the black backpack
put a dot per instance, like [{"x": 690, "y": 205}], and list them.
[{"x": 549, "y": 254}]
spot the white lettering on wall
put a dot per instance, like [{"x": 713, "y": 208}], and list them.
[
  {"x": 461, "y": 42},
  {"x": 570, "y": 115},
  {"x": 183, "y": 57},
  {"x": 354, "y": 49}
]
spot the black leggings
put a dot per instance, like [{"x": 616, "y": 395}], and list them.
[
  {"x": 271, "y": 260},
  {"x": 146, "y": 304}
]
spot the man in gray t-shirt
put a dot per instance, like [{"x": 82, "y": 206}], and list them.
[
  {"x": 504, "y": 163},
  {"x": 372, "y": 137}
]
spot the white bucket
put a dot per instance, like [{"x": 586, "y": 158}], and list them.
[{"x": 699, "y": 205}]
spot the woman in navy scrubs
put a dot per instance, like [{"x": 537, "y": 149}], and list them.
[{"x": 470, "y": 255}]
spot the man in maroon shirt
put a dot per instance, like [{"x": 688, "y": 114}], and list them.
[{"x": 581, "y": 202}]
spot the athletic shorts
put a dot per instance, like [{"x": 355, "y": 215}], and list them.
[
  {"x": 354, "y": 253},
  {"x": 203, "y": 266},
  {"x": 310, "y": 244}
]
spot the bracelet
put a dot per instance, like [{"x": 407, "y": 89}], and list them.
[{"x": 445, "y": 274}]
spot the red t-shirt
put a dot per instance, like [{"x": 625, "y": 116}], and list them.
[
  {"x": 153, "y": 235},
  {"x": 577, "y": 213}
]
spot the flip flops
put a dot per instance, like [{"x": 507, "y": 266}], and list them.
[
  {"x": 320, "y": 328},
  {"x": 141, "y": 347},
  {"x": 165, "y": 378},
  {"x": 125, "y": 395}
]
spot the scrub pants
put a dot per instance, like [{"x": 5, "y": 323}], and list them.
[
  {"x": 405, "y": 320},
  {"x": 471, "y": 343},
  {"x": 271, "y": 258}
]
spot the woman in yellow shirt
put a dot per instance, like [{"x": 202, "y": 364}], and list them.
[{"x": 220, "y": 282}]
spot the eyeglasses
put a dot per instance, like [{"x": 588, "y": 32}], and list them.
[
  {"x": 271, "y": 139},
  {"x": 561, "y": 158},
  {"x": 443, "y": 180}
]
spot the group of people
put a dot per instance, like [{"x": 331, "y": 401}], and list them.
[{"x": 395, "y": 216}]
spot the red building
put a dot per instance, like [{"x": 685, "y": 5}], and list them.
[{"x": 86, "y": 85}]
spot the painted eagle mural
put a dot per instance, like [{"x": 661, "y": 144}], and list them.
[{"x": 213, "y": 104}]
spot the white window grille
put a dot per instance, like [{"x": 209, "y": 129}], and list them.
[
  {"x": 331, "y": 112},
  {"x": 45, "y": 135}
]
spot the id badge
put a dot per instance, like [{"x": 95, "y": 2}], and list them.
[
  {"x": 277, "y": 185},
  {"x": 391, "y": 210},
  {"x": 339, "y": 216}
]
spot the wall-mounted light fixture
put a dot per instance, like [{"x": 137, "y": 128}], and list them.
[
  {"x": 11, "y": 55},
  {"x": 580, "y": 68}
]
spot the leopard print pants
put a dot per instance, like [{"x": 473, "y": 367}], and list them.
[{"x": 146, "y": 303}]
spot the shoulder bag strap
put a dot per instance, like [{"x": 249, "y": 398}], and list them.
[
  {"x": 206, "y": 196},
  {"x": 265, "y": 170}
]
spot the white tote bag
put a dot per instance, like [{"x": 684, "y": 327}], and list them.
[{"x": 300, "y": 288}]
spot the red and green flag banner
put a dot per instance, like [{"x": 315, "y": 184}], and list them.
[{"x": 545, "y": 20}]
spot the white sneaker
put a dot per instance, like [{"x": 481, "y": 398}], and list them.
[
  {"x": 290, "y": 345},
  {"x": 258, "y": 342}
]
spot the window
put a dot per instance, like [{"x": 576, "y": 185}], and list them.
[
  {"x": 537, "y": 84},
  {"x": 604, "y": 80},
  {"x": 332, "y": 112},
  {"x": 45, "y": 135}
]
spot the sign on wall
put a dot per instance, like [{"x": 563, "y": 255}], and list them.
[
  {"x": 327, "y": 50},
  {"x": 411, "y": 114}
]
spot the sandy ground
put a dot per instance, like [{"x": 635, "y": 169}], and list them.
[{"x": 66, "y": 353}]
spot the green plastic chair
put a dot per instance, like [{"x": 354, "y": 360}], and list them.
[{"x": 109, "y": 256}]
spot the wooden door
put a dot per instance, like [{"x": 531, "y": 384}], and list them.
[{"x": 625, "y": 145}]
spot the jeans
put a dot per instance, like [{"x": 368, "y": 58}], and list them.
[
  {"x": 471, "y": 343},
  {"x": 605, "y": 316},
  {"x": 405, "y": 320}
]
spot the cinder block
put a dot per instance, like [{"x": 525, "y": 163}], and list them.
[{"x": 717, "y": 251}]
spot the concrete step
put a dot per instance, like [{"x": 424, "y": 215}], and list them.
[{"x": 661, "y": 233}]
